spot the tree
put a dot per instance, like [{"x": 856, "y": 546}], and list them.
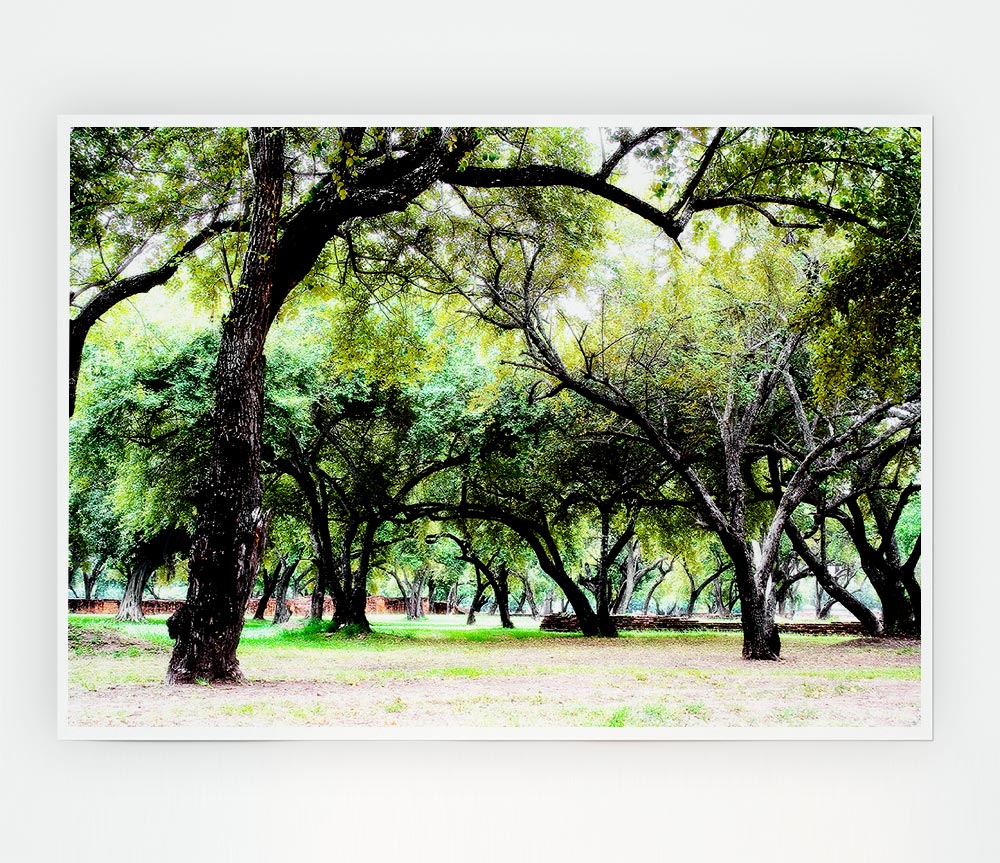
[
  {"x": 758, "y": 348},
  {"x": 492, "y": 571},
  {"x": 877, "y": 504},
  {"x": 230, "y": 532},
  {"x": 146, "y": 557}
]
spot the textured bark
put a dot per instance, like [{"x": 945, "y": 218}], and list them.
[
  {"x": 757, "y": 602},
  {"x": 130, "y": 607},
  {"x": 231, "y": 527}
]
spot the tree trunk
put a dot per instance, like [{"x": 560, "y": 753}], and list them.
[
  {"x": 430, "y": 595},
  {"x": 529, "y": 596},
  {"x": 630, "y": 576},
  {"x": 319, "y": 535},
  {"x": 760, "y": 633},
  {"x": 270, "y": 582},
  {"x": 913, "y": 590},
  {"x": 897, "y": 611},
  {"x": 900, "y": 612},
  {"x": 603, "y": 623},
  {"x": 501, "y": 593},
  {"x": 231, "y": 527},
  {"x": 355, "y": 584},
  {"x": 130, "y": 607},
  {"x": 281, "y": 612},
  {"x": 478, "y": 599},
  {"x": 826, "y": 582},
  {"x": 89, "y": 581},
  {"x": 651, "y": 591}
]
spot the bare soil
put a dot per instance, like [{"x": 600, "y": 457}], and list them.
[{"x": 688, "y": 680}]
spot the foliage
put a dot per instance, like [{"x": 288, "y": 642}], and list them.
[{"x": 461, "y": 364}]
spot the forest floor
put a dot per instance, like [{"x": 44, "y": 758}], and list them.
[{"x": 437, "y": 672}]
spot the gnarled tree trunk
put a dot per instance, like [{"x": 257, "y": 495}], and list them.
[
  {"x": 757, "y": 602},
  {"x": 130, "y": 607},
  {"x": 231, "y": 526},
  {"x": 498, "y": 578}
]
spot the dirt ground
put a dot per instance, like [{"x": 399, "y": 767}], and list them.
[{"x": 636, "y": 680}]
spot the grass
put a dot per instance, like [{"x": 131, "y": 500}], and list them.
[{"x": 436, "y": 671}]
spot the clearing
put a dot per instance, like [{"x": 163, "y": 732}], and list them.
[{"x": 437, "y": 672}]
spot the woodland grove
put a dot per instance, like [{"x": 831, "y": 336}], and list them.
[{"x": 601, "y": 357}]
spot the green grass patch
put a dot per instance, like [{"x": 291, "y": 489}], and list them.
[
  {"x": 620, "y": 718},
  {"x": 889, "y": 672}
]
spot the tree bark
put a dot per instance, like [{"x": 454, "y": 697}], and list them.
[
  {"x": 231, "y": 527},
  {"x": 281, "y": 612},
  {"x": 757, "y": 602},
  {"x": 631, "y": 572},
  {"x": 130, "y": 607},
  {"x": 652, "y": 590},
  {"x": 412, "y": 592},
  {"x": 270, "y": 582},
  {"x": 900, "y": 613},
  {"x": 452, "y": 602},
  {"x": 478, "y": 599}
]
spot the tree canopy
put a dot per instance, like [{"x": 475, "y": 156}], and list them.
[{"x": 597, "y": 361}]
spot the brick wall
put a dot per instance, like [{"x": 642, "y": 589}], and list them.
[
  {"x": 568, "y": 623},
  {"x": 299, "y": 607},
  {"x": 110, "y": 606}
]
